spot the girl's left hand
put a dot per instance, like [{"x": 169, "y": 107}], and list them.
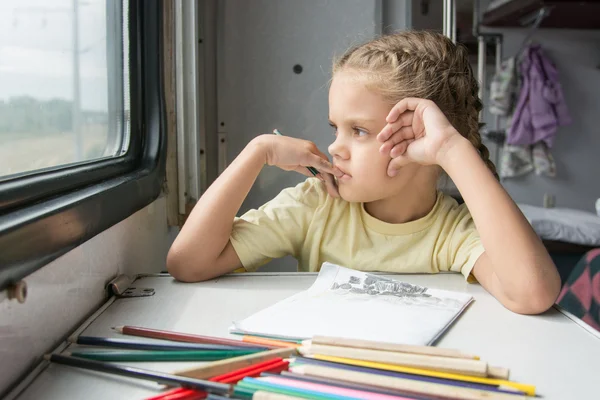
[{"x": 416, "y": 131}]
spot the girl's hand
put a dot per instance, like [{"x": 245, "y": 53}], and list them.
[
  {"x": 292, "y": 154},
  {"x": 416, "y": 131}
]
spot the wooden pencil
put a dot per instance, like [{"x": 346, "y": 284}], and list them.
[
  {"x": 445, "y": 364},
  {"x": 137, "y": 345},
  {"x": 179, "y": 336},
  {"x": 528, "y": 389},
  {"x": 400, "y": 348},
  {"x": 256, "y": 340},
  {"x": 132, "y": 372},
  {"x": 221, "y": 367},
  {"x": 406, "y": 386},
  {"x": 159, "y": 355}
]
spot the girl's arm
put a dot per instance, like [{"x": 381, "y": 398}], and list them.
[
  {"x": 202, "y": 249},
  {"x": 515, "y": 268}
]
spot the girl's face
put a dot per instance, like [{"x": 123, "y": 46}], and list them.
[{"x": 357, "y": 115}]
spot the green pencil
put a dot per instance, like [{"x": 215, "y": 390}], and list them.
[{"x": 158, "y": 355}]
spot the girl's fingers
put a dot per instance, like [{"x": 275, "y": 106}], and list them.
[
  {"x": 407, "y": 104},
  {"x": 396, "y": 164},
  {"x": 304, "y": 171},
  {"x": 327, "y": 179},
  {"x": 331, "y": 185},
  {"x": 404, "y": 120},
  {"x": 323, "y": 165},
  {"x": 403, "y": 134},
  {"x": 400, "y": 148}
]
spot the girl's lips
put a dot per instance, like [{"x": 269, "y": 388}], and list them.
[
  {"x": 344, "y": 177},
  {"x": 344, "y": 172}
]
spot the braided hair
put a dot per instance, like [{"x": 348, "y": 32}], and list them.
[{"x": 426, "y": 65}]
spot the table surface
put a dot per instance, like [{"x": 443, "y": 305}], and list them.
[{"x": 550, "y": 351}]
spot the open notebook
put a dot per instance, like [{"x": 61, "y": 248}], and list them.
[{"x": 352, "y": 304}]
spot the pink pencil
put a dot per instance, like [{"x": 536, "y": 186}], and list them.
[{"x": 317, "y": 387}]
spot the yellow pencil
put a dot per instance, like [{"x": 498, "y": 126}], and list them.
[{"x": 528, "y": 389}]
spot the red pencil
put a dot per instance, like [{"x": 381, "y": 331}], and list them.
[
  {"x": 183, "y": 337},
  {"x": 274, "y": 369},
  {"x": 247, "y": 369},
  {"x": 274, "y": 365}
]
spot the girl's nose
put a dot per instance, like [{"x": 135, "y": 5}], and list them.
[{"x": 339, "y": 149}]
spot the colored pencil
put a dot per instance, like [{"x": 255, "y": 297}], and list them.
[
  {"x": 232, "y": 364},
  {"x": 135, "y": 345},
  {"x": 132, "y": 372},
  {"x": 396, "y": 374},
  {"x": 256, "y": 340},
  {"x": 329, "y": 389},
  {"x": 336, "y": 382},
  {"x": 400, "y": 348},
  {"x": 444, "y": 364},
  {"x": 260, "y": 395},
  {"x": 179, "y": 394},
  {"x": 274, "y": 365},
  {"x": 179, "y": 336},
  {"x": 252, "y": 385},
  {"x": 406, "y": 386},
  {"x": 311, "y": 391},
  {"x": 159, "y": 355},
  {"x": 273, "y": 368},
  {"x": 528, "y": 389}
]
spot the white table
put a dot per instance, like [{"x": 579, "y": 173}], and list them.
[{"x": 550, "y": 351}]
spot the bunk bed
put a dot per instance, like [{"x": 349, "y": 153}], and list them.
[
  {"x": 568, "y": 14},
  {"x": 560, "y": 231}
]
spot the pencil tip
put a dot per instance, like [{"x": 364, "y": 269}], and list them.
[
  {"x": 118, "y": 329},
  {"x": 47, "y": 357},
  {"x": 72, "y": 339}
]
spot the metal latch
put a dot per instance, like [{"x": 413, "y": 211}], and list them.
[{"x": 121, "y": 287}]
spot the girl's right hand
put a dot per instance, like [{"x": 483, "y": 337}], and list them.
[{"x": 292, "y": 154}]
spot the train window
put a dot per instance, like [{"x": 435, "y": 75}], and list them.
[
  {"x": 64, "y": 84},
  {"x": 82, "y": 123}
]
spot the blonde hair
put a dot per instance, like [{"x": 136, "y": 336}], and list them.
[{"x": 426, "y": 65}]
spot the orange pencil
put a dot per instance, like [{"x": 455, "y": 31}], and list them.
[{"x": 269, "y": 342}]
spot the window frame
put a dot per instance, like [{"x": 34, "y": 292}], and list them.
[{"x": 46, "y": 214}]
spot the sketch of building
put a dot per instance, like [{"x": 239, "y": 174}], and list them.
[{"x": 379, "y": 286}]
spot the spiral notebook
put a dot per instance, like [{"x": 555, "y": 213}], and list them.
[{"x": 351, "y": 304}]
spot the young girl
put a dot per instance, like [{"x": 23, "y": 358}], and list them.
[{"x": 403, "y": 108}]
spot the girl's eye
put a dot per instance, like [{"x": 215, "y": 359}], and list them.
[
  {"x": 335, "y": 131},
  {"x": 361, "y": 133}
]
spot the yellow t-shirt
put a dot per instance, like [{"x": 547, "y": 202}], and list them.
[{"x": 308, "y": 224}]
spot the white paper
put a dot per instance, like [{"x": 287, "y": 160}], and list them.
[{"x": 352, "y": 304}]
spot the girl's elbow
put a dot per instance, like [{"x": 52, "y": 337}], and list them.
[
  {"x": 536, "y": 300},
  {"x": 180, "y": 267}
]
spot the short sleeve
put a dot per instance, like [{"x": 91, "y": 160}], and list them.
[
  {"x": 278, "y": 228},
  {"x": 466, "y": 246}
]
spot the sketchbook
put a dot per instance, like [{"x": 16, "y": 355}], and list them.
[{"x": 352, "y": 304}]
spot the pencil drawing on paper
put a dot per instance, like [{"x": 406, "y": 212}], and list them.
[{"x": 378, "y": 286}]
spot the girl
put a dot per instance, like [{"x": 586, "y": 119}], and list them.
[{"x": 403, "y": 109}]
